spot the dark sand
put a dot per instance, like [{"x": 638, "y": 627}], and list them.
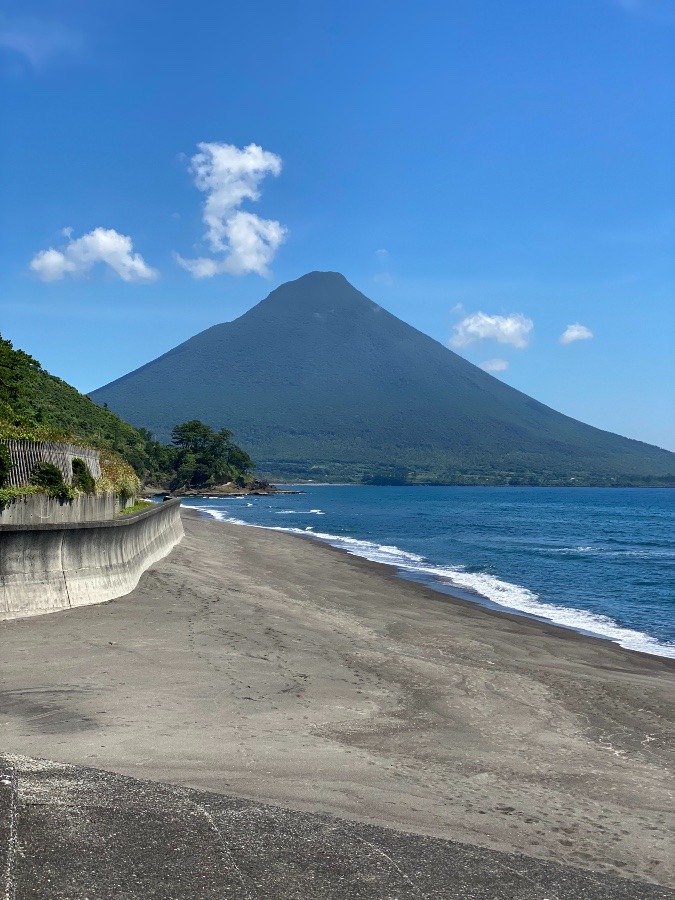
[{"x": 261, "y": 665}]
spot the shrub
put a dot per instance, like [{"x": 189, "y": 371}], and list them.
[
  {"x": 48, "y": 477},
  {"x": 83, "y": 480},
  {"x": 117, "y": 475},
  {"x": 5, "y": 464}
]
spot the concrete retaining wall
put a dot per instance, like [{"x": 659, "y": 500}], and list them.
[
  {"x": 40, "y": 509},
  {"x": 52, "y": 567}
]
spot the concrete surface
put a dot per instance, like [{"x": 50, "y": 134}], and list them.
[
  {"x": 40, "y": 509},
  {"x": 54, "y": 567},
  {"x": 70, "y": 833}
]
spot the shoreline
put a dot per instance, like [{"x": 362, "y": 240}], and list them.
[
  {"x": 438, "y": 590},
  {"x": 432, "y": 581},
  {"x": 435, "y": 592},
  {"x": 254, "y": 665}
]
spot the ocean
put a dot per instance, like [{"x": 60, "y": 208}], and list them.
[{"x": 598, "y": 560}]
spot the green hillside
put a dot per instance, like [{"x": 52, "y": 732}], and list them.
[
  {"x": 320, "y": 382},
  {"x": 38, "y": 406},
  {"x": 35, "y": 405}
]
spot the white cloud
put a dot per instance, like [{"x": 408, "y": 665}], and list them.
[
  {"x": 494, "y": 365},
  {"x": 515, "y": 329},
  {"x": 229, "y": 176},
  {"x": 40, "y": 42},
  {"x": 102, "y": 245},
  {"x": 202, "y": 267},
  {"x": 575, "y": 332},
  {"x": 382, "y": 255},
  {"x": 252, "y": 243}
]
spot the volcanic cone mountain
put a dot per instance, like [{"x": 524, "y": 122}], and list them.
[{"x": 318, "y": 381}]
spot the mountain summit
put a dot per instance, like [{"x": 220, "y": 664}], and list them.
[{"x": 318, "y": 381}]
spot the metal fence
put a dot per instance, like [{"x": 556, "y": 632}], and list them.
[{"x": 26, "y": 454}]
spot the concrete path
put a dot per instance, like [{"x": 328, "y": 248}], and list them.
[{"x": 74, "y": 833}]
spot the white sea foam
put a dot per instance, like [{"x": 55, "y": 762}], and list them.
[
  {"x": 511, "y": 597},
  {"x": 652, "y": 553},
  {"x": 217, "y": 514},
  {"x": 515, "y": 597}
]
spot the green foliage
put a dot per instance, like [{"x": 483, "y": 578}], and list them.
[
  {"x": 203, "y": 456},
  {"x": 5, "y": 464},
  {"x": 47, "y": 476},
  {"x": 196, "y": 437},
  {"x": 139, "y": 506},
  {"x": 35, "y": 405},
  {"x": 16, "y": 369},
  {"x": 83, "y": 480},
  {"x": 118, "y": 475}
]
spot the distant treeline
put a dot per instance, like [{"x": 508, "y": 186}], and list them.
[{"x": 289, "y": 470}]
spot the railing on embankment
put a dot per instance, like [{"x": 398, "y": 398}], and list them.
[
  {"x": 26, "y": 454},
  {"x": 44, "y": 568}
]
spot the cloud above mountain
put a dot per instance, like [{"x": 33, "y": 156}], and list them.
[
  {"x": 515, "y": 329},
  {"x": 79, "y": 256},
  {"x": 240, "y": 241}
]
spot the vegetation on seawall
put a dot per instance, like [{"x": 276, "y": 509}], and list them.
[
  {"x": 37, "y": 406},
  {"x": 138, "y": 506}
]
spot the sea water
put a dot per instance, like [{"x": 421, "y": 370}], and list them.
[{"x": 598, "y": 560}]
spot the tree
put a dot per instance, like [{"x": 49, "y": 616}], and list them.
[
  {"x": 83, "y": 480},
  {"x": 203, "y": 456},
  {"x": 193, "y": 436},
  {"x": 15, "y": 367}
]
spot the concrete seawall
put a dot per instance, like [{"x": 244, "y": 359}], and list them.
[
  {"x": 51, "y": 567},
  {"x": 35, "y": 510}
]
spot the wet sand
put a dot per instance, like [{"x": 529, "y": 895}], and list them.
[{"x": 262, "y": 665}]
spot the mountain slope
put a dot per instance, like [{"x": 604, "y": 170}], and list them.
[{"x": 317, "y": 380}]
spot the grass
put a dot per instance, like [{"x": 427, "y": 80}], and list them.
[{"x": 138, "y": 506}]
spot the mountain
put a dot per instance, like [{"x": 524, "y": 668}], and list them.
[{"x": 318, "y": 381}]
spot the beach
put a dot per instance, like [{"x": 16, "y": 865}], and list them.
[{"x": 266, "y": 666}]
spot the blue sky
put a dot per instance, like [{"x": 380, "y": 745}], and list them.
[{"x": 499, "y": 175}]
